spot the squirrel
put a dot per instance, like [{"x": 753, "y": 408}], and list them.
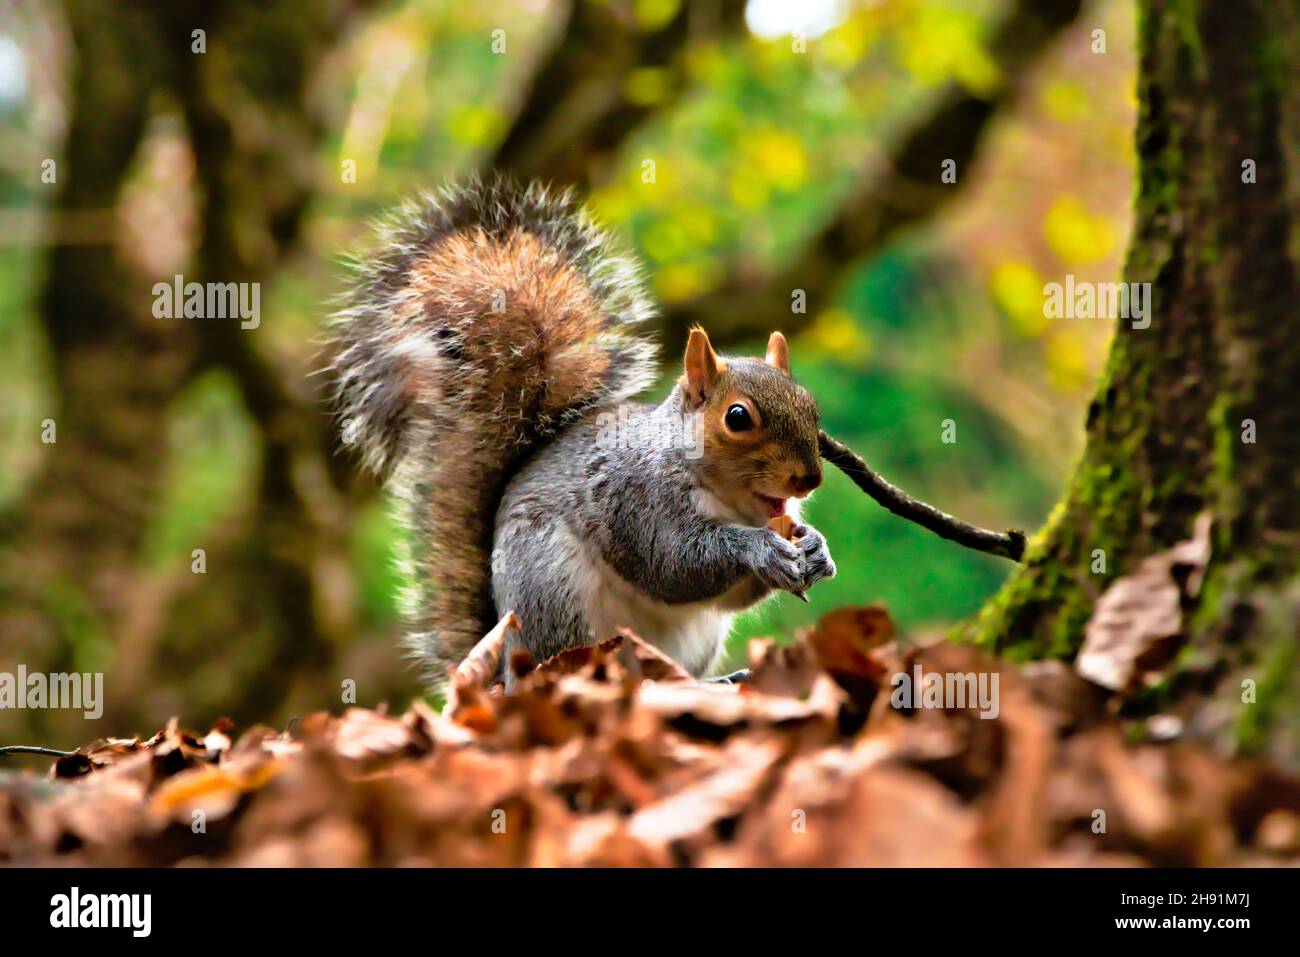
[{"x": 484, "y": 365}]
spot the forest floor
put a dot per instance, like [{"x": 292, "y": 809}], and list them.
[{"x": 613, "y": 756}]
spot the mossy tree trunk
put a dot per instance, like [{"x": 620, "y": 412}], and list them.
[{"x": 1201, "y": 410}]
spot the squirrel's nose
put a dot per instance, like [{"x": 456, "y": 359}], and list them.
[{"x": 806, "y": 483}]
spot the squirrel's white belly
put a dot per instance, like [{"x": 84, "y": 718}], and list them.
[{"x": 691, "y": 634}]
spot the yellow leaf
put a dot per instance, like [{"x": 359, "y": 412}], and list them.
[
  {"x": 1018, "y": 289},
  {"x": 748, "y": 189},
  {"x": 781, "y": 158},
  {"x": 684, "y": 280},
  {"x": 1075, "y": 235},
  {"x": 653, "y": 14},
  {"x": 476, "y": 125},
  {"x": 848, "y": 43},
  {"x": 835, "y": 332},
  {"x": 647, "y": 86},
  {"x": 611, "y": 204},
  {"x": 1067, "y": 101},
  {"x": 1067, "y": 360}
]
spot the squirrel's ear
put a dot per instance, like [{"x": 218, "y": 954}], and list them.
[
  {"x": 778, "y": 353},
  {"x": 702, "y": 366}
]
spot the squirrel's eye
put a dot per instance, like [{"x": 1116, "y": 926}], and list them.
[{"x": 738, "y": 419}]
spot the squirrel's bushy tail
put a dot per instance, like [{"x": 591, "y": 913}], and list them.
[{"x": 489, "y": 316}]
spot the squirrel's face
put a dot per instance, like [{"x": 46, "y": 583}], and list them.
[{"x": 759, "y": 428}]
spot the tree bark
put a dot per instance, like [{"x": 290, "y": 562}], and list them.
[{"x": 1169, "y": 430}]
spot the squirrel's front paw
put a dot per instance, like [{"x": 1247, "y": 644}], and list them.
[
  {"x": 779, "y": 564},
  {"x": 817, "y": 562}
]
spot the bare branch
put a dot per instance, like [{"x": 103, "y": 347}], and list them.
[{"x": 1009, "y": 544}]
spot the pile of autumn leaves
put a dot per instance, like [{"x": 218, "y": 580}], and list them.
[{"x": 613, "y": 756}]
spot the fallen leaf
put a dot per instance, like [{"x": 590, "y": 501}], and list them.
[{"x": 1137, "y": 624}]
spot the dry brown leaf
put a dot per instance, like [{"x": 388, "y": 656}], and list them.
[
  {"x": 834, "y": 811},
  {"x": 652, "y": 663},
  {"x": 692, "y": 810},
  {"x": 213, "y": 790},
  {"x": 849, "y": 643},
  {"x": 1137, "y": 624},
  {"x": 789, "y": 670},
  {"x": 728, "y": 705},
  {"x": 372, "y": 739},
  {"x": 480, "y": 666}
]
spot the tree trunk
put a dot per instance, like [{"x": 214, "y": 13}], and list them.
[{"x": 1199, "y": 412}]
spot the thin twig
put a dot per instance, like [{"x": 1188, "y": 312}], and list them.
[
  {"x": 1009, "y": 544},
  {"x": 31, "y": 749}
]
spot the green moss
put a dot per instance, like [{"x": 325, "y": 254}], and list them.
[
  {"x": 1184, "y": 18},
  {"x": 1224, "y": 457},
  {"x": 1043, "y": 610},
  {"x": 1275, "y": 715}
]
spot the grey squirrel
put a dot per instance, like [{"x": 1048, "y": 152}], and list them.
[{"x": 484, "y": 364}]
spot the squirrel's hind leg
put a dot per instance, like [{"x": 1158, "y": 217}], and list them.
[{"x": 532, "y": 575}]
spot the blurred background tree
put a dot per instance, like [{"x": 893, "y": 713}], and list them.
[{"x": 796, "y": 152}]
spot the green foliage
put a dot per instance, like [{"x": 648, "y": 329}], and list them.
[
  {"x": 211, "y": 469},
  {"x": 375, "y": 536},
  {"x": 27, "y": 400}
]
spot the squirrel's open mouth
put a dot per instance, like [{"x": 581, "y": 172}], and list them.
[{"x": 775, "y": 505}]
